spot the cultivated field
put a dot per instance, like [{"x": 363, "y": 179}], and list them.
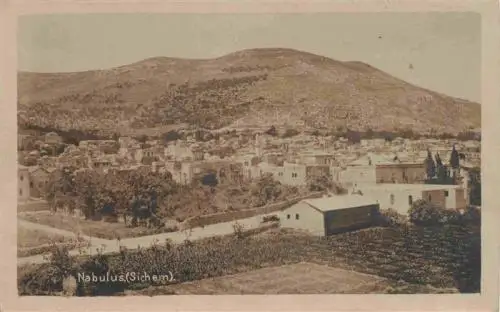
[
  {"x": 412, "y": 260},
  {"x": 299, "y": 278}
]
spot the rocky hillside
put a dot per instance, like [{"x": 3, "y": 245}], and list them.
[{"x": 250, "y": 88}]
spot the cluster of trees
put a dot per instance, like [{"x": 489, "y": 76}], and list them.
[
  {"x": 355, "y": 136},
  {"x": 267, "y": 190},
  {"x": 133, "y": 194},
  {"x": 325, "y": 184},
  {"x": 142, "y": 197},
  {"x": 475, "y": 186},
  {"x": 439, "y": 173},
  {"x": 71, "y": 136}
]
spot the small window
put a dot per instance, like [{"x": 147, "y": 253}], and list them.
[
  {"x": 296, "y": 216},
  {"x": 430, "y": 197},
  {"x": 288, "y": 216},
  {"x": 22, "y": 177},
  {"x": 410, "y": 200},
  {"x": 392, "y": 199},
  {"x": 31, "y": 185},
  {"x": 446, "y": 193},
  {"x": 20, "y": 192}
]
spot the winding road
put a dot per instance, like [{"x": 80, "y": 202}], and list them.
[{"x": 112, "y": 246}]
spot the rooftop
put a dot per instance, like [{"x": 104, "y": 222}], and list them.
[{"x": 338, "y": 202}]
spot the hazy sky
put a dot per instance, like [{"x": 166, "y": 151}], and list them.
[{"x": 444, "y": 49}]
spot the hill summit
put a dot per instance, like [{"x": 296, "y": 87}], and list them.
[{"x": 253, "y": 88}]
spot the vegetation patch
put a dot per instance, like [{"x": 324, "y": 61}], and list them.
[{"x": 440, "y": 256}]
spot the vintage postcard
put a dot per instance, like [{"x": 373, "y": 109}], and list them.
[{"x": 221, "y": 148}]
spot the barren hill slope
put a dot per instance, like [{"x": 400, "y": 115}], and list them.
[{"x": 250, "y": 88}]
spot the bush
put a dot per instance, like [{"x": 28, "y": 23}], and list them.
[
  {"x": 425, "y": 213},
  {"x": 391, "y": 217},
  {"x": 238, "y": 230},
  {"x": 472, "y": 215},
  {"x": 271, "y": 218}
]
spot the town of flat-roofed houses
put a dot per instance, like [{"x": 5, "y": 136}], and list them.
[{"x": 220, "y": 186}]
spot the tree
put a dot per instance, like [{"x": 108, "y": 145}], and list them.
[
  {"x": 430, "y": 166},
  {"x": 142, "y": 138},
  {"x": 265, "y": 190},
  {"x": 171, "y": 136},
  {"x": 136, "y": 193},
  {"x": 325, "y": 183},
  {"x": 388, "y": 137},
  {"x": 441, "y": 170},
  {"x": 369, "y": 134},
  {"x": 439, "y": 163},
  {"x": 475, "y": 186},
  {"x": 61, "y": 186},
  {"x": 353, "y": 136},
  {"x": 320, "y": 183},
  {"x": 454, "y": 160}
]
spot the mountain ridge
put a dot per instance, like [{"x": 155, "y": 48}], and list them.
[{"x": 248, "y": 88}]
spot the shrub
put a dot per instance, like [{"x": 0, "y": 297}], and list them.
[
  {"x": 390, "y": 217},
  {"x": 424, "y": 212},
  {"x": 238, "y": 230},
  {"x": 45, "y": 279},
  {"x": 472, "y": 215},
  {"x": 271, "y": 218}
]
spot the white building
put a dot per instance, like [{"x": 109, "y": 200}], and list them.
[
  {"x": 23, "y": 183},
  {"x": 400, "y": 197}
]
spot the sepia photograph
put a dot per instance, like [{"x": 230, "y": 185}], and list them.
[
  {"x": 252, "y": 154},
  {"x": 309, "y": 152}
]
